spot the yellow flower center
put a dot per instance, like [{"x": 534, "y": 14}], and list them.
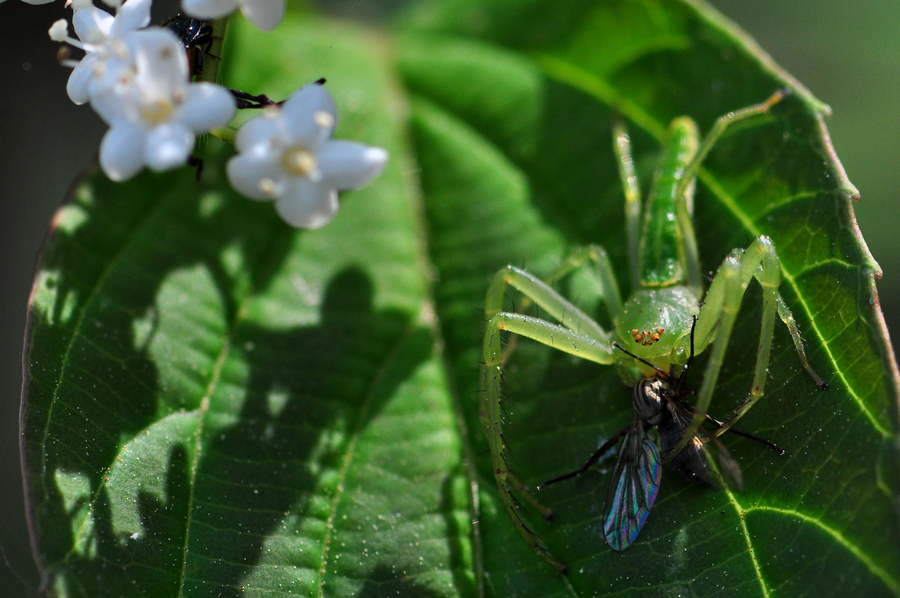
[
  {"x": 299, "y": 161},
  {"x": 157, "y": 111}
]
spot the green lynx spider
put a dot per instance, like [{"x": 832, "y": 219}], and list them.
[{"x": 656, "y": 321}]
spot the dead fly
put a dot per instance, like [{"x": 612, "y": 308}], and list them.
[{"x": 636, "y": 477}]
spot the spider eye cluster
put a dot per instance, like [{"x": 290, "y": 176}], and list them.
[
  {"x": 647, "y": 337},
  {"x": 649, "y": 398}
]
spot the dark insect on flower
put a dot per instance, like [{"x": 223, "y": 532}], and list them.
[{"x": 196, "y": 37}]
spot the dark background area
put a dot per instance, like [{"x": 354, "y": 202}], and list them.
[{"x": 848, "y": 57}]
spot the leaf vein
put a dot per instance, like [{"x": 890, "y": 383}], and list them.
[
  {"x": 361, "y": 419},
  {"x": 892, "y": 583}
]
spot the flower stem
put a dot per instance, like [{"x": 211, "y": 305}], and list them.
[
  {"x": 226, "y": 133},
  {"x": 211, "y": 72}
]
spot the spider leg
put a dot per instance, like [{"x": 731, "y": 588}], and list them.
[
  {"x": 577, "y": 334},
  {"x": 625, "y": 163},
  {"x": 603, "y": 274},
  {"x": 717, "y": 317},
  {"x": 685, "y": 189}
]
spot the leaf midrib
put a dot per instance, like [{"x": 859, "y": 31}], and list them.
[
  {"x": 198, "y": 439},
  {"x": 362, "y": 417}
]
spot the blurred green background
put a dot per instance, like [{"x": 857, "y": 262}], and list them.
[{"x": 846, "y": 53}]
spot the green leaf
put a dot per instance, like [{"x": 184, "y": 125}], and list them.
[{"x": 217, "y": 404}]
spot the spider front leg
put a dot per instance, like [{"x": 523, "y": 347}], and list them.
[
  {"x": 604, "y": 276},
  {"x": 716, "y": 321},
  {"x": 576, "y": 334}
]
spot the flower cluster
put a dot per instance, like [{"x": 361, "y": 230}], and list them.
[
  {"x": 137, "y": 78},
  {"x": 265, "y": 14}
]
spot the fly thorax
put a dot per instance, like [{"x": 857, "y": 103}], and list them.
[{"x": 649, "y": 400}]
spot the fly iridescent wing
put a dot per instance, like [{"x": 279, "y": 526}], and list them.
[{"x": 635, "y": 483}]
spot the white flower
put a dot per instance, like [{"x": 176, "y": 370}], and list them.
[
  {"x": 154, "y": 112},
  {"x": 265, "y": 14},
  {"x": 102, "y": 37},
  {"x": 287, "y": 155}
]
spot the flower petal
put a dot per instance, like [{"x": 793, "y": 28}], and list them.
[
  {"x": 256, "y": 173},
  {"x": 160, "y": 62},
  {"x": 209, "y": 9},
  {"x": 111, "y": 88},
  {"x": 133, "y": 14},
  {"x": 309, "y": 116},
  {"x": 168, "y": 146},
  {"x": 207, "y": 107},
  {"x": 80, "y": 79},
  {"x": 113, "y": 92},
  {"x": 111, "y": 106},
  {"x": 121, "y": 151},
  {"x": 350, "y": 165},
  {"x": 92, "y": 25},
  {"x": 264, "y": 129},
  {"x": 304, "y": 204},
  {"x": 265, "y": 14}
]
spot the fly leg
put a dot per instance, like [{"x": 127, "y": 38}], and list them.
[{"x": 592, "y": 460}]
